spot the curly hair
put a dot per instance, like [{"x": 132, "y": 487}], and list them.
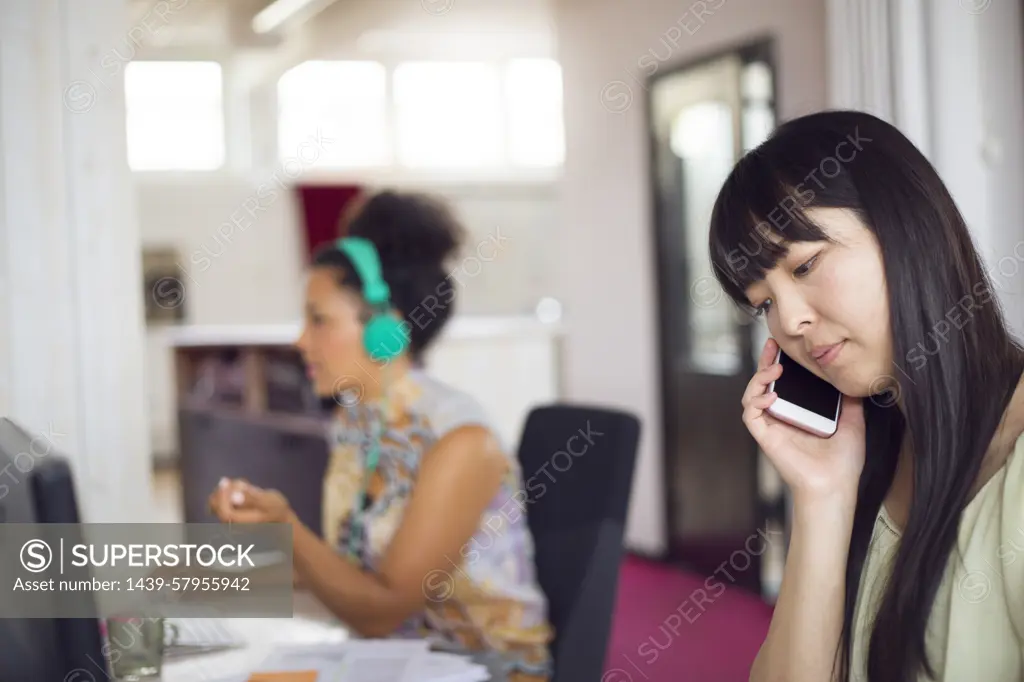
[{"x": 415, "y": 235}]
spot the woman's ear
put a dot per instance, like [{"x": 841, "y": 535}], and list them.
[{"x": 365, "y": 313}]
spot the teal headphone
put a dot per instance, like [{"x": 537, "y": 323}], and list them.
[
  {"x": 382, "y": 330},
  {"x": 384, "y": 340}
]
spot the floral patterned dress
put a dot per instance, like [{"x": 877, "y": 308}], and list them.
[{"x": 488, "y": 600}]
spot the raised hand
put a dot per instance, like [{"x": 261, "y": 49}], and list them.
[
  {"x": 812, "y": 466},
  {"x": 238, "y": 501}
]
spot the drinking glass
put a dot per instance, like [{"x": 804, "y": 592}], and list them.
[{"x": 136, "y": 646}]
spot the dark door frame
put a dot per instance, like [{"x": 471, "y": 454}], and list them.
[{"x": 759, "y": 48}]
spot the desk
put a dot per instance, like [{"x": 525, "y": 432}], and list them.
[{"x": 311, "y": 624}]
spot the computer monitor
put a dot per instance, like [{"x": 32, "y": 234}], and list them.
[
  {"x": 39, "y": 489},
  {"x": 80, "y": 639}
]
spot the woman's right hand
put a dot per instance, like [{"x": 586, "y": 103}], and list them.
[{"x": 813, "y": 467}]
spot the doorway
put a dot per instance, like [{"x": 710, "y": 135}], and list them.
[{"x": 722, "y": 499}]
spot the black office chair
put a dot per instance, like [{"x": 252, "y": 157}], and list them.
[{"x": 578, "y": 463}]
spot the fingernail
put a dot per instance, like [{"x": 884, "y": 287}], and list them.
[
  {"x": 237, "y": 497},
  {"x": 223, "y": 482}
]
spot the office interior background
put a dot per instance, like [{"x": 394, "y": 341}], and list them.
[{"x": 165, "y": 165}]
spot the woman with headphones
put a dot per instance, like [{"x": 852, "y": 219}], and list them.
[{"x": 424, "y": 534}]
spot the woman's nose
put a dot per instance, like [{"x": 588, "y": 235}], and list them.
[{"x": 794, "y": 314}]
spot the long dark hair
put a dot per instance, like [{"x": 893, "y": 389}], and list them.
[{"x": 952, "y": 388}]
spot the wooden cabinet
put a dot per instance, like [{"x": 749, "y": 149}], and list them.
[{"x": 248, "y": 412}]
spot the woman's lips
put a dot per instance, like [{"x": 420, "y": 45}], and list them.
[{"x": 827, "y": 355}]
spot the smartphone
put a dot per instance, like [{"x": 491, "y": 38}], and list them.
[{"x": 805, "y": 400}]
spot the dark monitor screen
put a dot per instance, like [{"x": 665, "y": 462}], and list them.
[
  {"x": 80, "y": 639},
  {"x": 29, "y": 648}
]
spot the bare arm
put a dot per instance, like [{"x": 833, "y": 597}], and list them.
[
  {"x": 457, "y": 480},
  {"x": 823, "y": 474},
  {"x": 808, "y": 619}
]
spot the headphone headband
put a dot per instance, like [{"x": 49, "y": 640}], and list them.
[
  {"x": 363, "y": 255},
  {"x": 383, "y": 337}
]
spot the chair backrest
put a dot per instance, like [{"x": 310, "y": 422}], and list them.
[{"x": 578, "y": 463}]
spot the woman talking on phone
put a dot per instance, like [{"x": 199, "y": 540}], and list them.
[
  {"x": 907, "y": 522},
  {"x": 423, "y": 532}
]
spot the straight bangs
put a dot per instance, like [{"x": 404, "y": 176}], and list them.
[{"x": 757, "y": 214}]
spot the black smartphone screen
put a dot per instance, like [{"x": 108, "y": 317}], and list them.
[{"x": 800, "y": 387}]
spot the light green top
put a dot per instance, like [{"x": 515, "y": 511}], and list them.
[{"x": 976, "y": 628}]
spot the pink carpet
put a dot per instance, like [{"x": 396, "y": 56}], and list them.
[{"x": 675, "y": 626}]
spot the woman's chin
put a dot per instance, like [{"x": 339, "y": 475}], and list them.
[
  {"x": 867, "y": 386},
  {"x": 341, "y": 393}
]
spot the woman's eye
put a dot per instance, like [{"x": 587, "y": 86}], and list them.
[
  {"x": 805, "y": 267},
  {"x": 763, "y": 308}
]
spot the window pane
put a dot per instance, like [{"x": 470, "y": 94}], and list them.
[
  {"x": 757, "y": 117},
  {"x": 758, "y": 123},
  {"x": 342, "y": 104},
  {"x": 448, "y": 114},
  {"x": 756, "y": 82},
  {"x": 703, "y": 138},
  {"x": 536, "y": 134},
  {"x": 175, "y": 115}
]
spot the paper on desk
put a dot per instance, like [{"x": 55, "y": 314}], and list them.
[
  {"x": 438, "y": 667},
  {"x": 326, "y": 659},
  {"x": 352, "y": 661},
  {"x": 376, "y": 661}
]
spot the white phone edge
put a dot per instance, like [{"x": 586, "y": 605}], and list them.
[{"x": 797, "y": 416}]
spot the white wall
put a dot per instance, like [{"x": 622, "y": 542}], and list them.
[
  {"x": 1002, "y": 79},
  {"x": 233, "y": 274},
  {"x": 251, "y": 271},
  {"x": 71, "y": 350},
  {"x": 608, "y": 280},
  {"x": 978, "y": 136}
]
